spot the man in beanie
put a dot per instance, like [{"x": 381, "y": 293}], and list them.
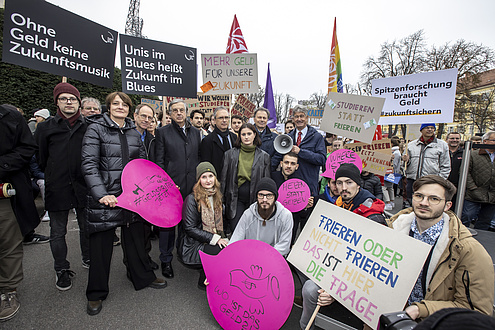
[
  {"x": 426, "y": 155},
  {"x": 60, "y": 142},
  {"x": 266, "y": 220}
]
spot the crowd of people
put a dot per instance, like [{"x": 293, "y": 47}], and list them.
[{"x": 228, "y": 173}]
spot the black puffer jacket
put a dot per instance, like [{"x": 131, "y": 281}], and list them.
[
  {"x": 105, "y": 151},
  {"x": 372, "y": 183}
]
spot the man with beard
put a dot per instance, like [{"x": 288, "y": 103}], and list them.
[
  {"x": 197, "y": 117},
  {"x": 458, "y": 271},
  {"x": 266, "y": 220}
]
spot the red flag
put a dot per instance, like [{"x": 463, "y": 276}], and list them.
[
  {"x": 236, "y": 43},
  {"x": 378, "y": 133}
]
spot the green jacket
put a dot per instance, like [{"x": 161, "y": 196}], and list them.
[{"x": 481, "y": 178}]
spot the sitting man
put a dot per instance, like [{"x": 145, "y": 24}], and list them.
[
  {"x": 458, "y": 272},
  {"x": 266, "y": 220}
]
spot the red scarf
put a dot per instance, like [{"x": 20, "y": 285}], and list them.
[
  {"x": 430, "y": 139},
  {"x": 72, "y": 120}
]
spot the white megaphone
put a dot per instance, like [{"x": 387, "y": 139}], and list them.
[{"x": 283, "y": 144}]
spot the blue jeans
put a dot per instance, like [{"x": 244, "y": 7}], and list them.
[{"x": 483, "y": 213}]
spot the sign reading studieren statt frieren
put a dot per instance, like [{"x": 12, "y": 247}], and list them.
[
  {"x": 358, "y": 261},
  {"x": 45, "y": 37}
]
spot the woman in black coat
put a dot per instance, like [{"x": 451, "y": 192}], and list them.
[
  {"x": 243, "y": 167},
  {"x": 110, "y": 142},
  {"x": 202, "y": 219}
]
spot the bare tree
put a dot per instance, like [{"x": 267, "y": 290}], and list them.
[
  {"x": 283, "y": 104},
  {"x": 258, "y": 97},
  {"x": 318, "y": 99},
  {"x": 478, "y": 108}
]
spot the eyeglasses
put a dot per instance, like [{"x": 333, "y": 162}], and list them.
[
  {"x": 268, "y": 196},
  {"x": 433, "y": 200},
  {"x": 144, "y": 117},
  {"x": 65, "y": 99}
]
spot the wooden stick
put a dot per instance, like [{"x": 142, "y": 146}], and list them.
[
  {"x": 64, "y": 79},
  {"x": 312, "y": 319}
]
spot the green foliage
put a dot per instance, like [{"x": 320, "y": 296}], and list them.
[{"x": 30, "y": 89}]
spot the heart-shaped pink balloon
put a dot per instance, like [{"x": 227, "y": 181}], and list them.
[
  {"x": 149, "y": 191},
  {"x": 250, "y": 286},
  {"x": 339, "y": 157}
]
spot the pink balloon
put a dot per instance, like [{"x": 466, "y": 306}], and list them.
[
  {"x": 250, "y": 286},
  {"x": 339, "y": 157},
  {"x": 294, "y": 194},
  {"x": 149, "y": 191}
]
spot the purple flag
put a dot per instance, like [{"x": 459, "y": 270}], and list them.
[{"x": 269, "y": 103}]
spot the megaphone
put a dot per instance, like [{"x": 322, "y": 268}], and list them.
[{"x": 283, "y": 144}]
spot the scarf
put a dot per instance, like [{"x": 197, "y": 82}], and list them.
[
  {"x": 225, "y": 138},
  {"x": 246, "y": 159},
  {"x": 72, "y": 120},
  {"x": 426, "y": 142},
  {"x": 211, "y": 218}
]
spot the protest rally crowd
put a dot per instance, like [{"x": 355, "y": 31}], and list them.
[{"x": 228, "y": 173}]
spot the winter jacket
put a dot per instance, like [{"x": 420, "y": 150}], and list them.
[
  {"x": 195, "y": 237},
  {"x": 267, "y": 138},
  {"x": 455, "y": 165},
  {"x": 311, "y": 157},
  {"x": 59, "y": 157},
  {"x": 178, "y": 154},
  {"x": 106, "y": 150},
  {"x": 228, "y": 178},
  {"x": 16, "y": 149},
  {"x": 277, "y": 230},
  {"x": 428, "y": 159},
  {"x": 278, "y": 177},
  {"x": 460, "y": 272},
  {"x": 212, "y": 150},
  {"x": 372, "y": 183},
  {"x": 149, "y": 146},
  {"x": 397, "y": 159},
  {"x": 480, "y": 186},
  {"x": 366, "y": 205}
]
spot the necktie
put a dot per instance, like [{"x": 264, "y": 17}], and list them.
[{"x": 298, "y": 142}]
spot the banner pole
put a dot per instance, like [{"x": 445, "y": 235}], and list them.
[
  {"x": 64, "y": 79},
  {"x": 312, "y": 319}
]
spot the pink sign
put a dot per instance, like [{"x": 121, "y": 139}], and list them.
[
  {"x": 339, "y": 157},
  {"x": 250, "y": 286},
  {"x": 294, "y": 194},
  {"x": 150, "y": 192}
]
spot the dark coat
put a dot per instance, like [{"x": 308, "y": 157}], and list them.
[
  {"x": 178, "y": 155},
  {"x": 59, "y": 157},
  {"x": 267, "y": 138},
  {"x": 480, "y": 183},
  {"x": 373, "y": 184},
  {"x": 106, "y": 150},
  {"x": 16, "y": 149},
  {"x": 212, "y": 150},
  {"x": 195, "y": 237},
  {"x": 278, "y": 177},
  {"x": 228, "y": 178},
  {"x": 312, "y": 156},
  {"x": 149, "y": 145},
  {"x": 455, "y": 165}
]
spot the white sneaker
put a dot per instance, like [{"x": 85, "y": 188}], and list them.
[
  {"x": 388, "y": 207},
  {"x": 46, "y": 217},
  {"x": 393, "y": 204}
]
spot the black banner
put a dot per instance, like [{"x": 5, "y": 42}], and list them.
[
  {"x": 42, "y": 36},
  {"x": 157, "y": 68}
]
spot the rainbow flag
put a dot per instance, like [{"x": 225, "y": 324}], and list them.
[{"x": 335, "y": 71}]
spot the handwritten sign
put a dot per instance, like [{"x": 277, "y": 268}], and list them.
[
  {"x": 367, "y": 267},
  {"x": 251, "y": 286},
  {"x": 150, "y": 192},
  {"x": 230, "y": 73},
  {"x": 352, "y": 116},
  {"x": 375, "y": 162},
  {"x": 426, "y": 97},
  {"x": 383, "y": 145},
  {"x": 243, "y": 107},
  {"x": 339, "y": 157},
  {"x": 294, "y": 194},
  {"x": 208, "y": 103}
]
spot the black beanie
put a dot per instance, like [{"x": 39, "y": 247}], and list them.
[
  {"x": 349, "y": 171},
  {"x": 267, "y": 184}
]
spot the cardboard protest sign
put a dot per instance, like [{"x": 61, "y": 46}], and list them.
[
  {"x": 294, "y": 194},
  {"x": 191, "y": 102},
  {"x": 339, "y": 157},
  {"x": 367, "y": 267},
  {"x": 243, "y": 107},
  {"x": 157, "y": 68},
  {"x": 383, "y": 146},
  {"x": 426, "y": 97},
  {"x": 375, "y": 162},
  {"x": 156, "y": 105},
  {"x": 150, "y": 192},
  {"x": 208, "y": 103},
  {"x": 393, "y": 177},
  {"x": 45, "y": 37},
  {"x": 413, "y": 132},
  {"x": 352, "y": 116},
  {"x": 314, "y": 116},
  {"x": 250, "y": 286},
  {"x": 230, "y": 73}
]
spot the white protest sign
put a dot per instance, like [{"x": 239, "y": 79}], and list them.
[
  {"x": 367, "y": 267},
  {"x": 352, "y": 116},
  {"x": 230, "y": 73},
  {"x": 426, "y": 97}
]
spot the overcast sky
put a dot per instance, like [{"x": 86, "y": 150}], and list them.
[{"x": 295, "y": 37}]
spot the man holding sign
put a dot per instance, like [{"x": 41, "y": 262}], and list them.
[{"x": 458, "y": 272}]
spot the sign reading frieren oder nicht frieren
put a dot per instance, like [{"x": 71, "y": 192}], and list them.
[
  {"x": 157, "y": 68},
  {"x": 426, "y": 97},
  {"x": 41, "y": 36},
  {"x": 230, "y": 73}
]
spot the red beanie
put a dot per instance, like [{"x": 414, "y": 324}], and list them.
[{"x": 65, "y": 88}]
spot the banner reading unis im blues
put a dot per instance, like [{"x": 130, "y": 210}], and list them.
[{"x": 42, "y": 36}]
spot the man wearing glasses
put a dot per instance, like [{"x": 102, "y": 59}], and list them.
[
  {"x": 60, "y": 141},
  {"x": 458, "y": 271},
  {"x": 90, "y": 106},
  {"x": 177, "y": 152},
  {"x": 266, "y": 220}
]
